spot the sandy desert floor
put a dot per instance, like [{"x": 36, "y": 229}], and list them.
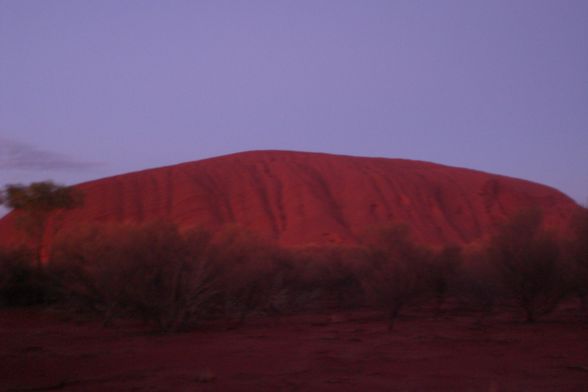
[{"x": 353, "y": 351}]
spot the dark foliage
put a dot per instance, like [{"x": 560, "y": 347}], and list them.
[
  {"x": 172, "y": 279},
  {"x": 250, "y": 282},
  {"x": 396, "y": 271},
  {"x": 330, "y": 275},
  {"x": 36, "y": 202},
  {"x": 149, "y": 271},
  {"x": 21, "y": 282},
  {"x": 527, "y": 258},
  {"x": 443, "y": 271},
  {"x": 477, "y": 285}
]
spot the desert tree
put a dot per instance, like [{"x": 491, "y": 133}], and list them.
[
  {"x": 395, "y": 274},
  {"x": 251, "y": 283},
  {"x": 330, "y": 274},
  {"x": 477, "y": 284},
  {"x": 293, "y": 284},
  {"x": 177, "y": 279},
  {"x": 443, "y": 269},
  {"x": 527, "y": 258},
  {"x": 150, "y": 271},
  {"x": 88, "y": 265},
  {"x": 35, "y": 203}
]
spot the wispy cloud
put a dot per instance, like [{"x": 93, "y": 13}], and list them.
[{"x": 23, "y": 156}]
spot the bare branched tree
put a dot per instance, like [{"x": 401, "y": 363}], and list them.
[
  {"x": 528, "y": 260},
  {"x": 151, "y": 271},
  {"x": 250, "y": 280},
  {"x": 478, "y": 284},
  {"x": 396, "y": 273},
  {"x": 442, "y": 272}
]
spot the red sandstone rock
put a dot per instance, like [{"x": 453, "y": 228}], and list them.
[{"x": 302, "y": 198}]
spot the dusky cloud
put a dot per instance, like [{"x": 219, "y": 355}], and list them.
[{"x": 23, "y": 156}]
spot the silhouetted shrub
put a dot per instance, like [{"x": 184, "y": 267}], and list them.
[
  {"x": 92, "y": 269},
  {"x": 249, "y": 280},
  {"x": 396, "y": 272},
  {"x": 528, "y": 260},
  {"x": 150, "y": 271},
  {"x": 22, "y": 283},
  {"x": 443, "y": 270},
  {"x": 295, "y": 274},
  {"x": 330, "y": 273},
  {"x": 478, "y": 285}
]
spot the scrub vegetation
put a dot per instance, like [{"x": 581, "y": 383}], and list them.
[{"x": 175, "y": 279}]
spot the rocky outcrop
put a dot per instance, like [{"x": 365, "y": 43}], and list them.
[{"x": 300, "y": 198}]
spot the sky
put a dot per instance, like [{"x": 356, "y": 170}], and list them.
[{"x": 90, "y": 89}]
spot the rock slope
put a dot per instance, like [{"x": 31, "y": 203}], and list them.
[{"x": 300, "y": 198}]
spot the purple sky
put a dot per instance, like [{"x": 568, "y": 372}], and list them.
[{"x": 96, "y": 88}]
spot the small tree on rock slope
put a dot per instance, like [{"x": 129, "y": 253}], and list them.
[{"x": 36, "y": 202}]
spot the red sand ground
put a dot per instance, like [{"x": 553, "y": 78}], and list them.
[{"x": 39, "y": 351}]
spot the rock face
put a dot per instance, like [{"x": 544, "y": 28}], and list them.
[{"x": 301, "y": 198}]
